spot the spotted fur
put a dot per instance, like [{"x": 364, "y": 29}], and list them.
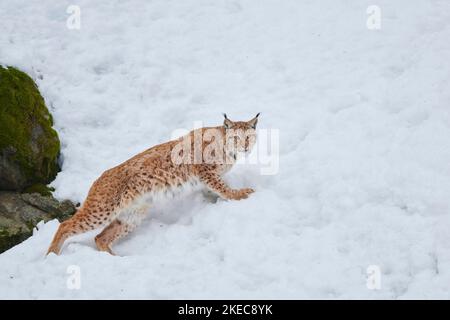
[{"x": 121, "y": 197}]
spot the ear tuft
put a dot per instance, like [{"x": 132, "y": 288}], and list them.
[
  {"x": 227, "y": 123},
  {"x": 254, "y": 121}
]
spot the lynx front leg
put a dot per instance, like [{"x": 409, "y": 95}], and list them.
[{"x": 214, "y": 182}]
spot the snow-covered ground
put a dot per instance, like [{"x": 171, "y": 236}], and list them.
[{"x": 364, "y": 123}]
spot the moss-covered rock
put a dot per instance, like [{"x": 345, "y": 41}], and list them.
[
  {"x": 20, "y": 213},
  {"x": 39, "y": 188},
  {"x": 12, "y": 233},
  {"x": 29, "y": 147}
]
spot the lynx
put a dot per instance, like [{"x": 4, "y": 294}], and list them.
[{"x": 121, "y": 197}]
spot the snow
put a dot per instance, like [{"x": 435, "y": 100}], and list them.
[{"x": 364, "y": 148}]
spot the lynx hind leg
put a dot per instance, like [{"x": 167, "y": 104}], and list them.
[
  {"x": 126, "y": 222},
  {"x": 65, "y": 230},
  {"x": 81, "y": 222}
]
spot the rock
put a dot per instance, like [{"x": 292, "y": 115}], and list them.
[
  {"x": 20, "y": 213},
  {"x": 39, "y": 188},
  {"x": 29, "y": 147},
  {"x": 29, "y": 151}
]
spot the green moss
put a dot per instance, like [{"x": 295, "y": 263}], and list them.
[
  {"x": 40, "y": 188},
  {"x": 26, "y": 132}
]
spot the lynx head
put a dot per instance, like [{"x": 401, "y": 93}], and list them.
[{"x": 240, "y": 135}]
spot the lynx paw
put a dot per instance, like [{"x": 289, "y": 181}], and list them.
[{"x": 243, "y": 193}]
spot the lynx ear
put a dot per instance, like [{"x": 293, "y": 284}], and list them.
[
  {"x": 254, "y": 121},
  {"x": 227, "y": 123}
]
